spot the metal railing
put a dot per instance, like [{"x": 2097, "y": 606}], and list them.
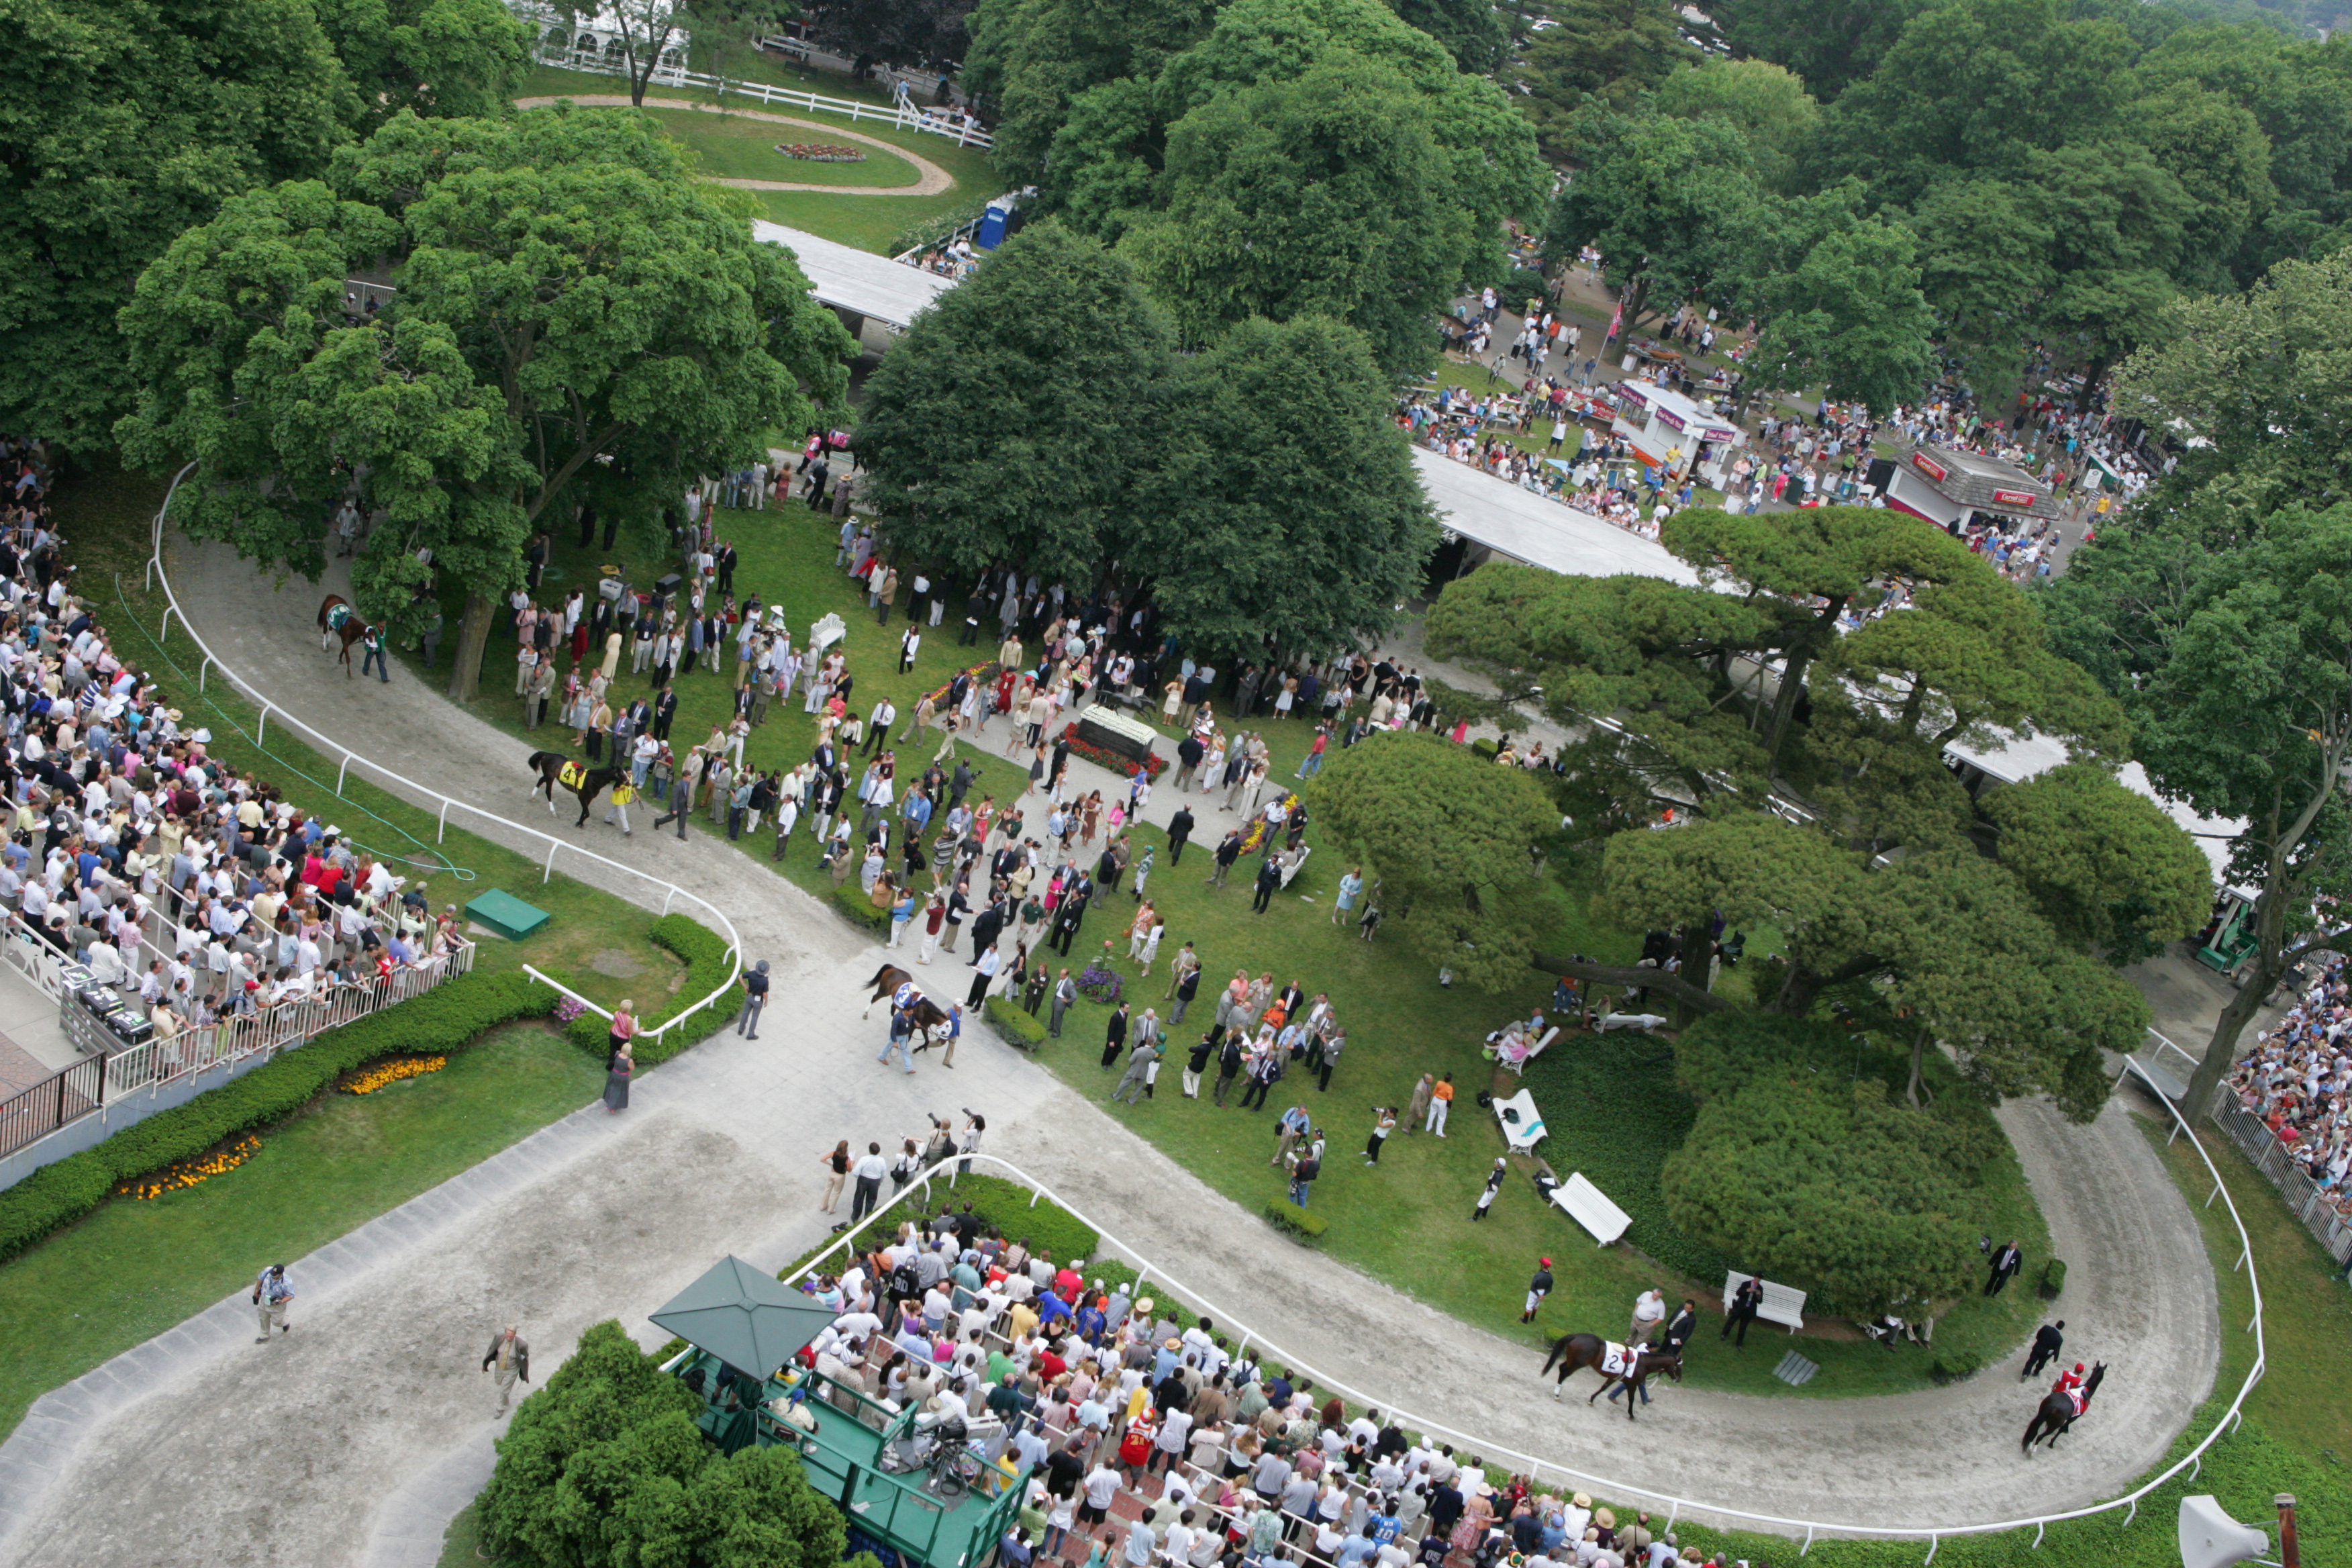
[
  {"x": 399, "y": 783},
  {"x": 2312, "y": 1203},
  {"x": 1624, "y": 1491},
  {"x": 99, "y": 1082},
  {"x": 899, "y": 116}
]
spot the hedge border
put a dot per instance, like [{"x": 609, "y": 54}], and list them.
[
  {"x": 1013, "y": 1023},
  {"x": 445, "y": 1018},
  {"x": 707, "y": 965}
]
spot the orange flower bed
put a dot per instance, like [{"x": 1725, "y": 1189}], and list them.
[
  {"x": 181, "y": 1174},
  {"x": 386, "y": 1073}
]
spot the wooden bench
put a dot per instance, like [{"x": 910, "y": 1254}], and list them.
[
  {"x": 1589, "y": 1206},
  {"x": 1523, "y": 1128},
  {"x": 1782, "y": 1304}
]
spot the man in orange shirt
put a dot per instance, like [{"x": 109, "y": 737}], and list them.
[{"x": 1441, "y": 1100}]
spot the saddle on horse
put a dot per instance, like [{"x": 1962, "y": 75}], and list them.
[
  {"x": 907, "y": 995},
  {"x": 574, "y": 776},
  {"x": 1616, "y": 1360},
  {"x": 337, "y": 617},
  {"x": 2074, "y": 1397}
]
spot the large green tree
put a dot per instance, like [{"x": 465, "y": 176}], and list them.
[
  {"x": 1032, "y": 58},
  {"x": 1838, "y": 296},
  {"x": 1470, "y": 30},
  {"x": 2237, "y": 665},
  {"x": 1015, "y": 419},
  {"x": 1806, "y": 1169},
  {"x": 1326, "y": 195},
  {"x": 603, "y": 1467},
  {"x": 1672, "y": 203},
  {"x": 1454, "y": 841},
  {"x": 576, "y": 321},
  {"x": 1830, "y": 46},
  {"x": 129, "y": 122},
  {"x": 1767, "y": 103},
  {"x": 1283, "y": 504},
  {"x": 453, "y": 59},
  {"x": 2105, "y": 864},
  {"x": 1605, "y": 49}
]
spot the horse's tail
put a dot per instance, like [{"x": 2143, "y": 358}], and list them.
[
  {"x": 1558, "y": 1349},
  {"x": 2033, "y": 1430},
  {"x": 878, "y": 973}
]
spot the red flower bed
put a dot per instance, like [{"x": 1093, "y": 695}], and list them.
[{"x": 1102, "y": 757}]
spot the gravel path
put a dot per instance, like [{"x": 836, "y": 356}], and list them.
[
  {"x": 935, "y": 179},
  {"x": 354, "y": 1438}
]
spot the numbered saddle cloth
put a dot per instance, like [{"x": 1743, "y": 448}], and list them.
[
  {"x": 337, "y": 617},
  {"x": 2080, "y": 1404},
  {"x": 906, "y": 995},
  {"x": 1616, "y": 1360},
  {"x": 573, "y": 775}
]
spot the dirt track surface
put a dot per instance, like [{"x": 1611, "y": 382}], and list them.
[{"x": 353, "y": 1439}]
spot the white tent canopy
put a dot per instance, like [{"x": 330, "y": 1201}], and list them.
[
  {"x": 858, "y": 282},
  {"x": 1522, "y": 526}
]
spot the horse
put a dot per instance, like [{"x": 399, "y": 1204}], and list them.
[
  {"x": 2058, "y": 1413},
  {"x": 1575, "y": 1351},
  {"x": 585, "y": 782},
  {"x": 346, "y": 625},
  {"x": 928, "y": 1014}
]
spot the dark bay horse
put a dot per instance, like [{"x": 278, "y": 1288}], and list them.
[
  {"x": 928, "y": 1014},
  {"x": 585, "y": 782},
  {"x": 346, "y": 626},
  {"x": 2057, "y": 1412},
  {"x": 1575, "y": 1351}
]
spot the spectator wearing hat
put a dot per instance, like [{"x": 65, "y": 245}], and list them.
[
  {"x": 755, "y": 999},
  {"x": 1538, "y": 1288}
]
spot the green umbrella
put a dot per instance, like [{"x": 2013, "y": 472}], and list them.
[{"x": 752, "y": 1320}]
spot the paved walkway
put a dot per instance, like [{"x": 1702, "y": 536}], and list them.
[
  {"x": 353, "y": 1439},
  {"x": 934, "y": 178}
]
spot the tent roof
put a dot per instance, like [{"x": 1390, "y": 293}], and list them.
[
  {"x": 857, "y": 281},
  {"x": 1526, "y": 527},
  {"x": 750, "y": 1319}
]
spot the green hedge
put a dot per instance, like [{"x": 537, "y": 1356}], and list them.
[
  {"x": 706, "y": 965},
  {"x": 859, "y": 907},
  {"x": 1013, "y": 1021},
  {"x": 1298, "y": 1223},
  {"x": 1954, "y": 1366},
  {"x": 2054, "y": 1278},
  {"x": 443, "y": 1019}
]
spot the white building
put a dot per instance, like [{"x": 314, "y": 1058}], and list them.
[{"x": 582, "y": 41}]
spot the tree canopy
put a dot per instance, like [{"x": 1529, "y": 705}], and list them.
[
  {"x": 576, "y": 322},
  {"x": 1008, "y": 423},
  {"x": 603, "y": 1467},
  {"x": 1453, "y": 841}
]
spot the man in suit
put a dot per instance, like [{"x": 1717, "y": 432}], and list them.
[
  {"x": 2006, "y": 1262},
  {"x": 1065, "y": 991},
  {"x": 510, "y": 1353},
  {"x": 665, "y": 711},
  {"x": 1180, "y": 829},
  {"x": 1114, "y": 1036},
  {"x": 2047, "y": 1343},
  {"x": 1745, "y": 1303}
]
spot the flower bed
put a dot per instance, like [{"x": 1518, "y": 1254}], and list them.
[
  {"x": 1255, "y": 839},
  {"x": 821, "y": 151},
  {"x": 384, "y": 1074},
  {"x": 1104, "y": 758},
  {"x": 1096, "y": 983},
  {"x": 940, "y": 694},
  {"x": 181, "y": 1174}
]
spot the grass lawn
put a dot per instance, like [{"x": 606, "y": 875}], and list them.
[
  {"x": 733, "y": 148},
  {"x": 1407, "y": 1222},
  {"x": 134, "y": 1268}
]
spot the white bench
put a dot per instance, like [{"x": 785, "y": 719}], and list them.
[
  {"x": 1589, "y": 1206},
  {"x": 1291, "y": 868},
  {"x": 1524, "y": 1127},
  {"x": 1520, "y": 1066},
  {"x": 1782, "y": 1304}
]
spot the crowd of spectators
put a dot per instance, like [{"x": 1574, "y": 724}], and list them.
[
  {"x": 134, "y": 851},
  {"x": 1137, "y": 1439},
  {"x": 2294, "y": 1079}
]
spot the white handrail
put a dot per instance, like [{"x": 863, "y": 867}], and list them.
[
  {"x": 157, "y": 573},
  {"x": 1601, "y": 1484}
]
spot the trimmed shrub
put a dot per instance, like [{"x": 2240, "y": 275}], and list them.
[
  {"x": 859, "y": 907},
  {"x": 2054, "y": 1278},
  {"x": 1013, "y": 1021},
  {"x": 1296, "y": 1223},
  {"x": 707, "y": 965},
  {"x": 1954, "y": 1365},
  {"x": 442, "y": 1020}
]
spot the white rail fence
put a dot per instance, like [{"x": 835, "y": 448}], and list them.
[
  {"x": 2192, "y": 1462},
  {"x": 903, "y": 115},
  {"x": 399, "y": 783}
]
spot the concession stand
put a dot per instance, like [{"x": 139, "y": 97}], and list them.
[
  {"x": 1948, "y": 487},
  {"x": 1666, "y": 427}
]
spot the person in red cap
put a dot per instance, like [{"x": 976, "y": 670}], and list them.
[
  {"x": 1538, "y": 1288},
  {"x": 2068, "y": 1382}
]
